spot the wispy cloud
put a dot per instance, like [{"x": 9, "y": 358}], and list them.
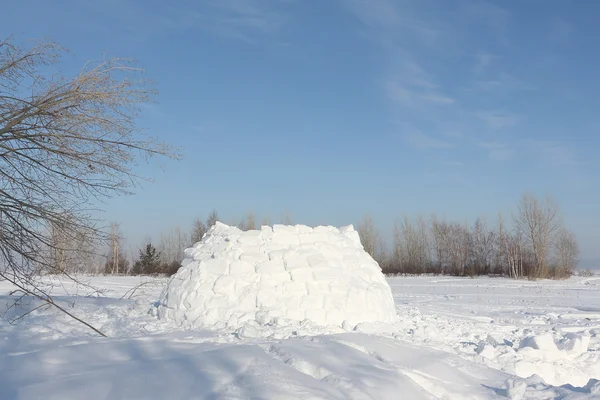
[
  {"x": 550, "y": 152},
  {"x": 414, "y": 95},
  {"x": 546, "y": 152},
  {"x": 247, "y": 20},
  {"x": 497, "y": 151},
  {"x": 420, "y": 140},
  {"x": 482, "y": 61},
  {"x": 244, "y": 19},
  {"x": 437, "y": 98},
  {"x": 390, "y": 22},
  {"x": 498, "y": 119},
  {"x": 404, "y": 33},
  {"x": 459, "y": 112}
]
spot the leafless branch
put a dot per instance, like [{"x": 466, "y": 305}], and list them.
[{"x": 64, "y": 142}]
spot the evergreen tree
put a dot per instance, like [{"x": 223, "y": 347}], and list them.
[
  {"x": 171, "y": 268},
  {"x": 148, "y": 262}
]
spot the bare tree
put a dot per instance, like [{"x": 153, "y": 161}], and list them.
[
  {"x": 72, "y": 250},
  {"x": 440, "y": 230},
  {"x": 60, "y": 246},
  {"x": 212, "y": 219},
  {"x": 411, "y": 246},
  {"x": 63, "y": 143},
  {"x": 457, "y": 242},
  {"x": 198, "y": 231},
  {"x": 423, "y": 246},
  {"x": 370, "y": 237},
  {"x": 481, "y": 247},
  {"x": 172, "y": 245},
  {"x": 397, "y": 264},
  {"x": 286, "y": 219},
  {"x": 116, "y": 260},
  {"x": 500, "y": 247},
  {"x": 452, "y": 246},
  {"x": 266, "y": 221},
  {"x": 515, "y": 254},
  {"x": 538, "y": 222},
  {"x": 567, "y": 254},
  {"x": 87, "y": 256},
  {"x": 114, "y": 239},
  {"x": 368, "y": 234},
  {"x": 248, "y": 223}
]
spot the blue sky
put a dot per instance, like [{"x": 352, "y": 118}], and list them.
[{"x": 328, "y": 110}]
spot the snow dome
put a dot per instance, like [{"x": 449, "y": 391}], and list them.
[{"x": 293, "y": 273}]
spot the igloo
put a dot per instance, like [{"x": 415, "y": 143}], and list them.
[{"x": 293, "y": 273}]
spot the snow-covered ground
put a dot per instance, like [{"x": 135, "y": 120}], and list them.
[{"x": 456, "y": 339}]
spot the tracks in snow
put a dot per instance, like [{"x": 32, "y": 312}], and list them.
[{"x": 362, "y": 367}]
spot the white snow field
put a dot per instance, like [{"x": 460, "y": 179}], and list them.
[
  {"x": 487, "y": 338},
  {"x": 277, "y": 275}
]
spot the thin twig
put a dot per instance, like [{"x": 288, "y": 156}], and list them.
[
  {"x": 133, "y": 290},
  {"x": 13, "y": 321},
  {"x": 50, "y": 301}
]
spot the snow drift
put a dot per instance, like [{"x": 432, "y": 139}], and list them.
[{"x": 285, "y": 273}]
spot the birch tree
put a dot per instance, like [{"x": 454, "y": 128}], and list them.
[
  {"x": 114, "y": 264},
  {"x": 567, "y": 254},
  {"x": 515, "y": 255},
  {"x": 500, "y": 248},
  {"x": 539, "y": 222}
]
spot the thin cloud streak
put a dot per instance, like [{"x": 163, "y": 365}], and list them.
[
  {"x": 415, "y": 96},
  {"x": 242, "y": 19},
  {"x": 550, "y": 153},
  {"x": 389, "y": 22},
  {"x": 498, "y": 119},
  {"x": 246, "y": 20},
  {"x": 459, "y": 116},
  {"x": 420, "y": 140}
]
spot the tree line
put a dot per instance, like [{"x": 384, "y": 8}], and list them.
[
  {"x": 76, "y": 252},
  {"x": 533, "y": 244}
]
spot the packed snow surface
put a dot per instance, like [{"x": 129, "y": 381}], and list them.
[
  {"x": 275, "y": 275},
  {"x": 457, "y": 338}
]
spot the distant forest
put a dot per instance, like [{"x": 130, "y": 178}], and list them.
[{"x": 533, "y": 243}]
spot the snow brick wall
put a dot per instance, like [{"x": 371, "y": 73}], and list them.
[{"x": 272, "y": 275}]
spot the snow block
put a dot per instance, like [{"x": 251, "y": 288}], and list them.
[
  {"x": 544, "y": 342},
  {"x": 241, "y": 267},
  {"x": 286, "y": 273}
]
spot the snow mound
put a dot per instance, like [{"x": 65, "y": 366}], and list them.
[
  {"x": 534, "y": 388},
  {"x": 279, "y": 275}
]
